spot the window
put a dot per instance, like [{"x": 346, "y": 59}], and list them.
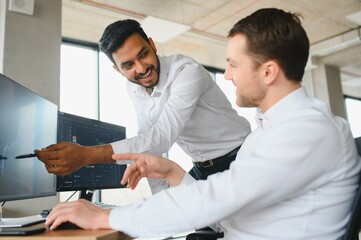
[
  {"x": 79, "y": 80},
  {"x": 353, "y": 113},
  {"x": 115, "y": 105}
]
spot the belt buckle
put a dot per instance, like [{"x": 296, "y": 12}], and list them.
[{"x": 208, "y": 164}]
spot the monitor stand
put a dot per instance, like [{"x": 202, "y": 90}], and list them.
[{"x": 86, "y": 194}]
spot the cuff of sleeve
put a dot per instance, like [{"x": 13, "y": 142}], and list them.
[
  {"x": 120, "y": 146},
  {"x": 121, "y": 220}
]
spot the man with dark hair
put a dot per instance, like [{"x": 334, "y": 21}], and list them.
[
  {"x": 294, "y": 177},
  {"x": 176, "y": 100}
]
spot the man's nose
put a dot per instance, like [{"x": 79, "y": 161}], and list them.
[{"x": 140, "y": 67}]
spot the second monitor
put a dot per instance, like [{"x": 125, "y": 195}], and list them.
[{"x": 89, "y": 132}]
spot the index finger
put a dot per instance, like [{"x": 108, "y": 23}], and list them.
[
  {"x": 127, "y": 156},
  {"x": 46, "y": 155}
]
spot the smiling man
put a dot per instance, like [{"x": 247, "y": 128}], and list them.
[{"x": 175, "y": 99}]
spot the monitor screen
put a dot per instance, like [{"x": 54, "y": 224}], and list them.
[
  {"x": 27, "y": 122},
  {"x": 90, "y": 132}
]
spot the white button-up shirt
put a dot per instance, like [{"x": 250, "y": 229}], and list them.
[
  {"x": 294, "y": 178},
  {"x": 186, "y": 107}
]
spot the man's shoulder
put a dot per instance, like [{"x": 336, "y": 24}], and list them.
[
  {"x": 179, "y": 59},
  {"x": 176, "y": 64}
]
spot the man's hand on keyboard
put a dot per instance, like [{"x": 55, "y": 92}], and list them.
[{"x": 81, "y": 212}]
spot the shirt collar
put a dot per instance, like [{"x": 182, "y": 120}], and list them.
[
  {"x": 163, "y": 73},
  {"x": 259, "y": 118},
  {"x": 285, "y": 105}
]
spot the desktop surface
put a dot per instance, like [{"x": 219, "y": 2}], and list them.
[{"x": 73, "y": 234}]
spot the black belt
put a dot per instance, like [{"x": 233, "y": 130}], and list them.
[{"x": 215, "y": 161}]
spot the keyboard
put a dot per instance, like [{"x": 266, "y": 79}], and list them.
[
  {"x": 44, "y": 213},
  {"x": 105, "y": 205}
]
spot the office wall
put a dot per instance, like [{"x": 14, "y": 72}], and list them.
[
  {"x": 31, "y": 48},
  {"x": 30, "y": 54}
]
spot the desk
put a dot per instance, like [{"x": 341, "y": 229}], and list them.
[{"x": 73, "y": 234}]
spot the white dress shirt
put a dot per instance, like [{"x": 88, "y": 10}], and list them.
[
  {"x": 186, "y": 107},
  {"x": 294, "y": 178}
]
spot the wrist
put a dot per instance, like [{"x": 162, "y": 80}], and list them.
[
  {"x": 175, "y": 175},
  {"x": 99, "y": 154},
  {"x": 104, "y": 219}
]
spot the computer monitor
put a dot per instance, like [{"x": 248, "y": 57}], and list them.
[
  {"x": 27, "y": 122},
  {"x": 89, "y": 132}
]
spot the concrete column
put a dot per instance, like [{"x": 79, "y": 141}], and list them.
[
  {"x": 324, "y": 83},
  {"x": 327, "y": 87}
]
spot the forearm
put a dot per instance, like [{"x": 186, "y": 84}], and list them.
[{"x": 99, "y": 154}]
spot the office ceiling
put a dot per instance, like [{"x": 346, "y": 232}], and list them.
[{"x": 325, "y": 21}]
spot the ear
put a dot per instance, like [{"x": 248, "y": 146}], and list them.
[
  {"x": 117, "y": 69},
  {"x": 152, "y": 44},
  {"x": 270, "y": 72}
]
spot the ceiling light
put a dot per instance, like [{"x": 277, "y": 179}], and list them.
[
  {"x": 162, "y": 30},
  {"x": 355, "y": 17}
]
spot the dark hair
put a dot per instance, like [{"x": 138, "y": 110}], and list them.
[
  {"x": 116, "y": 33},
  {"x": 273, "y": 34}
]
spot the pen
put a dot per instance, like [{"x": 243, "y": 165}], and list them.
[{"x": 30, "y": 155}]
